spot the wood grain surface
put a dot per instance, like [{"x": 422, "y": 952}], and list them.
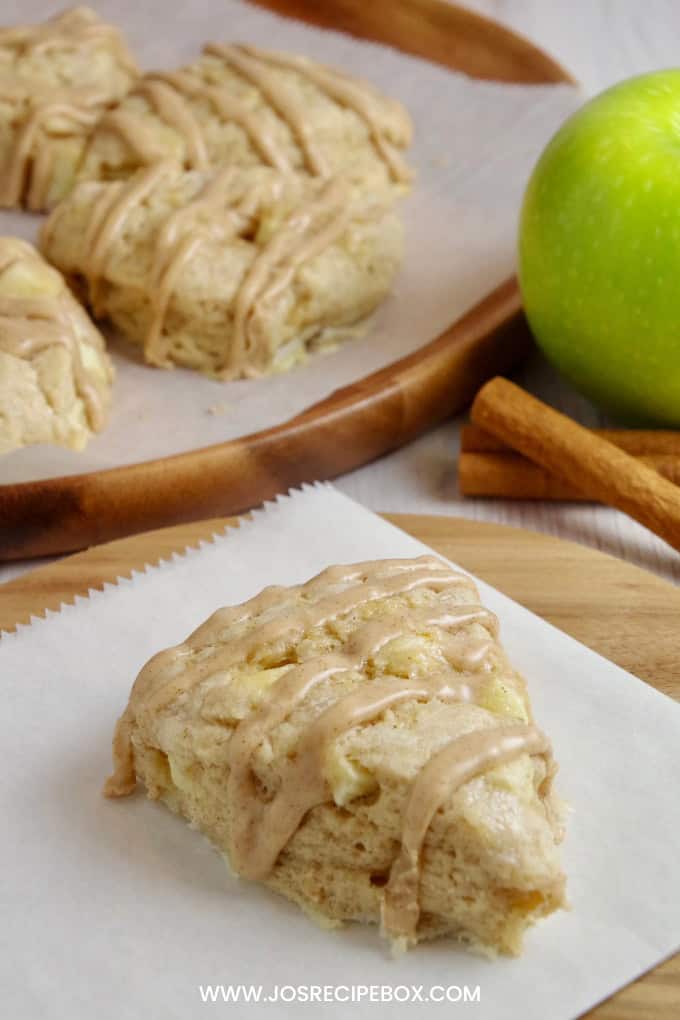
[
  {"x": 439, "y": 31},
  {"x": 620, "y": 611},
  {"x": 355, "y": 424}
]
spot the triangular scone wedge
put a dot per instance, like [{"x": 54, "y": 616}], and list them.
[
  {"x": 360, "y": 744},
  {"x": 237, "y": 274},
  {"x": 242, "y": 106},
  {"x": 55, "y": 374},
  {"x": 57, "y": 80}
]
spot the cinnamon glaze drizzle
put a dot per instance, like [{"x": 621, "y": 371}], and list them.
[
  {"x": 29, "y": 325},
  {"x": 81, "y": 108},
  {"x": 167, "y": 94},
  {"x": 261, "y": 829},
  {"x": 29, "y": 167},
  {"x": 221, "y": 209},
  {"x": 345, "y": 90},
  {"x": 74, "y": 29}
]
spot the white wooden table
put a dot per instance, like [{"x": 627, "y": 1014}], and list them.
[{"x": 600, "y": 42}]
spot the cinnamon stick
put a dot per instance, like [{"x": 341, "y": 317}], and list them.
[
  {"x": 509, "y": 475},
  {"x": 575, "y": 455},
  {"x": 640, "y": 442}
]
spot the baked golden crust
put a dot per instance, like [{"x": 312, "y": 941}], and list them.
[
  {"x": 55, "y": 375},
  {"x": 361, "y": 744},
  {"x": 237, "y": 273},
  {"x": 56, "y": 80},
  {"x": 243, "y": 106}
]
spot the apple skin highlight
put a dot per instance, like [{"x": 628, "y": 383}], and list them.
[{"x": 599, "y": 249}]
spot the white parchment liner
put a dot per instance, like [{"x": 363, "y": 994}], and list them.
[{"x": 119, "y": 910}]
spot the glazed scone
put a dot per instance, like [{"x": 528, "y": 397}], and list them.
[
  {"x": 56, "y": 80},
  {"x": 361, "y": 744},
  {"x": 55, "y": 374},
  {"x": 236, "y": 273},
  {"x": 243, "y": 106}
]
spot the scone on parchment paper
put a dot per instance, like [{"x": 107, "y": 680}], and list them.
[
  {"x": 236, "y": 273},
  {"x": 361, "y": 744},
  {"x": 55, "y": 374},
  {"x": 243, "y": 106},
  {"x": 56, "y": 80}
]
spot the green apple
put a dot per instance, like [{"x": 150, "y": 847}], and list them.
[{"x": 599, "y": 249}]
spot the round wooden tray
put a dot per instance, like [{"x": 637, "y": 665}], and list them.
[
  {"x": 620, "y": 611},
  {"x": 355, "y": 424}
]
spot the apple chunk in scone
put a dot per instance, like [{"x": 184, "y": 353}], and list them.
[{"x": 360, "y": 744}]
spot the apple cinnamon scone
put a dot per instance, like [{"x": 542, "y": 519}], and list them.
[
  {"x": 56, "y": 80},
  {"x": 360, "y": 744},
  {"x": 237, "y": 273},
  {"x": 55, "y": 374},
  {"x": 243, "y": 106}
]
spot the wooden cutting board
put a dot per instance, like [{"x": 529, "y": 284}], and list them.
[{"x": 626, "y": 614}]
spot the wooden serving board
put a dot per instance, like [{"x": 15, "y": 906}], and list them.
[
  {"x": 620, "y": 611},
  {"x": 355, "y": 424}
]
